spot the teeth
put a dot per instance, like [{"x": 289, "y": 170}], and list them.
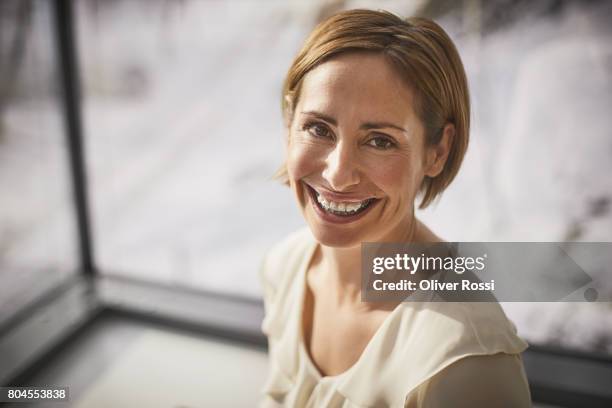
[
  {"x": 322, "y": 201},
  {"x": 339, "y": 206},
  {"x": 352, "y": 207}
]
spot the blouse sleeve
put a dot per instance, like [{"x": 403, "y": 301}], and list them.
[{"x": 497, "y": 380}]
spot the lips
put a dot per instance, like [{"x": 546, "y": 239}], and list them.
[{"x": 336, "y": 209}]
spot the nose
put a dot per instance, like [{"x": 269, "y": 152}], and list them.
[{"x": 342, "y": 168}]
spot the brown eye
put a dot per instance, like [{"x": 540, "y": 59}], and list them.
[
  {"x": 317, "y": 130},
  {"x": 381, "y": 143}
]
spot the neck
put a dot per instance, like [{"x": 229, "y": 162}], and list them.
[{"x": 342, "y": 266}]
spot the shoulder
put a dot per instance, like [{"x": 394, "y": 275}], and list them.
[
  {"x": 489, "y": 380},
  {"x": 285, "y": 257},
  {"x": 477, "y": 358},
  {"x": 459, "y": 329},
  {"x": 487, "y": 325},
  {"x": 465, "y": 327},
  {"x": 436, "y": 346},
  {"x": 277, "y": 275}
]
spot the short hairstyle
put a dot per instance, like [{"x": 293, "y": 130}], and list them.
[{"x": 423, "y": 55}]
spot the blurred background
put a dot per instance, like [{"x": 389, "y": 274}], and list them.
[{"x": 180, "y": 131}]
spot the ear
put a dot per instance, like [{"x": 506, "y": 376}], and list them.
[{"x": 438, "y": 154}]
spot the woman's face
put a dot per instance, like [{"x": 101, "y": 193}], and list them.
[{"x": 356, "y": 155}]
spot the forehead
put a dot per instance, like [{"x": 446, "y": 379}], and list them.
[{"x": 362, "y": 84}]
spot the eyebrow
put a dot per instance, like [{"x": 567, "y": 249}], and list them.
[{"x": 364, "y": 126}]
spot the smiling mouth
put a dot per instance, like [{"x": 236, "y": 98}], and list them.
[{"x": 338, "y": 208}]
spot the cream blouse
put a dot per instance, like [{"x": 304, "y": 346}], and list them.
[{"x": 425, "y": 354}]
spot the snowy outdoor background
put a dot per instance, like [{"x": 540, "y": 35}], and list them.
[{"x": 183, "y": 130}]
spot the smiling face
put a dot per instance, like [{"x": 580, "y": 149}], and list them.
[{"x": 356, "y": 153}]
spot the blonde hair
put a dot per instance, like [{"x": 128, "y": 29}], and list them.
[{"x": 422, "y": 53}]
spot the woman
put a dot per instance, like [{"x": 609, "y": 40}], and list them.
[{"x": 377, "y": 111}]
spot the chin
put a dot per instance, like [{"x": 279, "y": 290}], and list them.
[{"x": 335, "y": 237}]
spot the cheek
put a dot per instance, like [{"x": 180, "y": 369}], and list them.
[
  {"x": 302, "y": 160},
  {"x": 397, "y": 175}
]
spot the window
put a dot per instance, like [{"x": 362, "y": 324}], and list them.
[
  {"x": 37, "y": 231},
  {"x": 183, "y": 126}
]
